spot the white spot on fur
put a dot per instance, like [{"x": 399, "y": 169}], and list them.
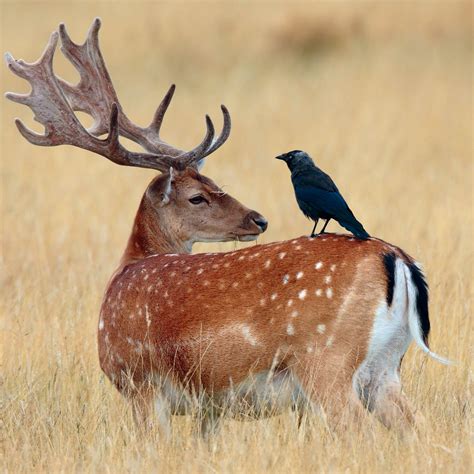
[
  {"x": 299, "y": 275},
  {"x": 262, "y": 302},
  {"x": 241, "y": 257},
  {"x": 286, "y": 279},
  {"x": 101, "y": 324},
  {"x": 319, "y": 265},
  {"x": 249, "y": 337},
  {"x": 290, "y": 303},
  {"x": 318, "y": 292},
  {"x": 268, "y": 263},
  {"x": 147, "y": 316},
  {"x": 200, "y": 271},
  {"x": 145, "y": 278},
  {"x": 302, "y": 294},
  {"x": 329, "y": 292},
  {"x": 294, "y": 314},
  {"x": 321, "y": 328},
  {"x": 290, "y": 330},
  {"x": 281, "y": 255},
  {"x": 327, "y": 279},
  {"x": 274, "y": 296},
  {"x": 329, "y": 341},
  {"x": 298, "y": 247},
  {"x": 235, "y": 284},
  {"x": 333, "y": 267},
  {"x": 309, "y": 349}
]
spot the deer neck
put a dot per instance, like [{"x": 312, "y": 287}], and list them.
[{"x": 151, "y": 236}]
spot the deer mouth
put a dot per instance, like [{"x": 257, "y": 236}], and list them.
[{"x": 247, "y": 237}]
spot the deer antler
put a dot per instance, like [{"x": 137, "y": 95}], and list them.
[{"x": 54, "y": 101}]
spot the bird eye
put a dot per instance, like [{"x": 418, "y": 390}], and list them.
[{"x": 197, "y": 200}]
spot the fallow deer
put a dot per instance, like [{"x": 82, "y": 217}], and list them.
[{"x": 303, "y": 323}]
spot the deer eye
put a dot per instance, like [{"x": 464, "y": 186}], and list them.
[{"x": 197, "y": 199}]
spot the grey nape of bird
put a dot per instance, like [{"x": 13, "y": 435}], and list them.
[{"x": 318, "y": 196}]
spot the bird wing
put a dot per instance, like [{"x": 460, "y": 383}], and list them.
[
  {"x": 316, "y": 202},
  {"x": 313, "y": 177},
  {"x": 321, "y": 201}
]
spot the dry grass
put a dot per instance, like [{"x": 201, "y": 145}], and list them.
[{"x": 380, "y": 94}]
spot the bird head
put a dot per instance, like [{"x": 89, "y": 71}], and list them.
[{"x": 294, "y": 158}]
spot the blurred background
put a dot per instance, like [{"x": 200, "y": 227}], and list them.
[{"x": 378, "y": 93}]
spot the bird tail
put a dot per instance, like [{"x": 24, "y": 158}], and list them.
[{"x": 355, "y": 227}]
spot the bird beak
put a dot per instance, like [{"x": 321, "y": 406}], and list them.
[{"x": 282, "y": 157}]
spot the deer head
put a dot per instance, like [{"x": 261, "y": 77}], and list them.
[
  {"x": 183, "y": 207},
  {"x": 179, "y": 207}
]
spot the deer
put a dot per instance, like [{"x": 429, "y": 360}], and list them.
[{"x": 305, "y": 324}]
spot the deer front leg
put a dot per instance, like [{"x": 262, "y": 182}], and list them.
[{"x": 207, "y": 418}]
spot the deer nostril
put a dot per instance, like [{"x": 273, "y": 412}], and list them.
[{"x": 261, "y": 222}]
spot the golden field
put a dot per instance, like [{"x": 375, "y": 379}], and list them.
[{"x": 380, "y": 94}]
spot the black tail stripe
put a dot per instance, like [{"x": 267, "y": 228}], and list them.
[
  {"x": 422, "y": 299},
  {"x": 389, "y": 264}
]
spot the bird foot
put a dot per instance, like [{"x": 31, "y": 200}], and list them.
[{"x": 312, "y": 236}]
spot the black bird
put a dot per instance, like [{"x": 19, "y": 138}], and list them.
[{"x": 318, "y": 196}]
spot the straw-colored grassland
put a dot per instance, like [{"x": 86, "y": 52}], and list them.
[{"x": 380, "y": 94}]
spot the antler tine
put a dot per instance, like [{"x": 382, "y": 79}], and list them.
[
  {"x": 157, "y": 120},
  {"x": 191, "y": 157},
  {"x": 222, "y": 138}
]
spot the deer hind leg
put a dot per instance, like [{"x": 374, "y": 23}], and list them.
[
  {"x": 328, "y": 392},
  {"x": 381, "y": 393}
]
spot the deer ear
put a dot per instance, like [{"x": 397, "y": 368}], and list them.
[{"x": 160, "y": 196}]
